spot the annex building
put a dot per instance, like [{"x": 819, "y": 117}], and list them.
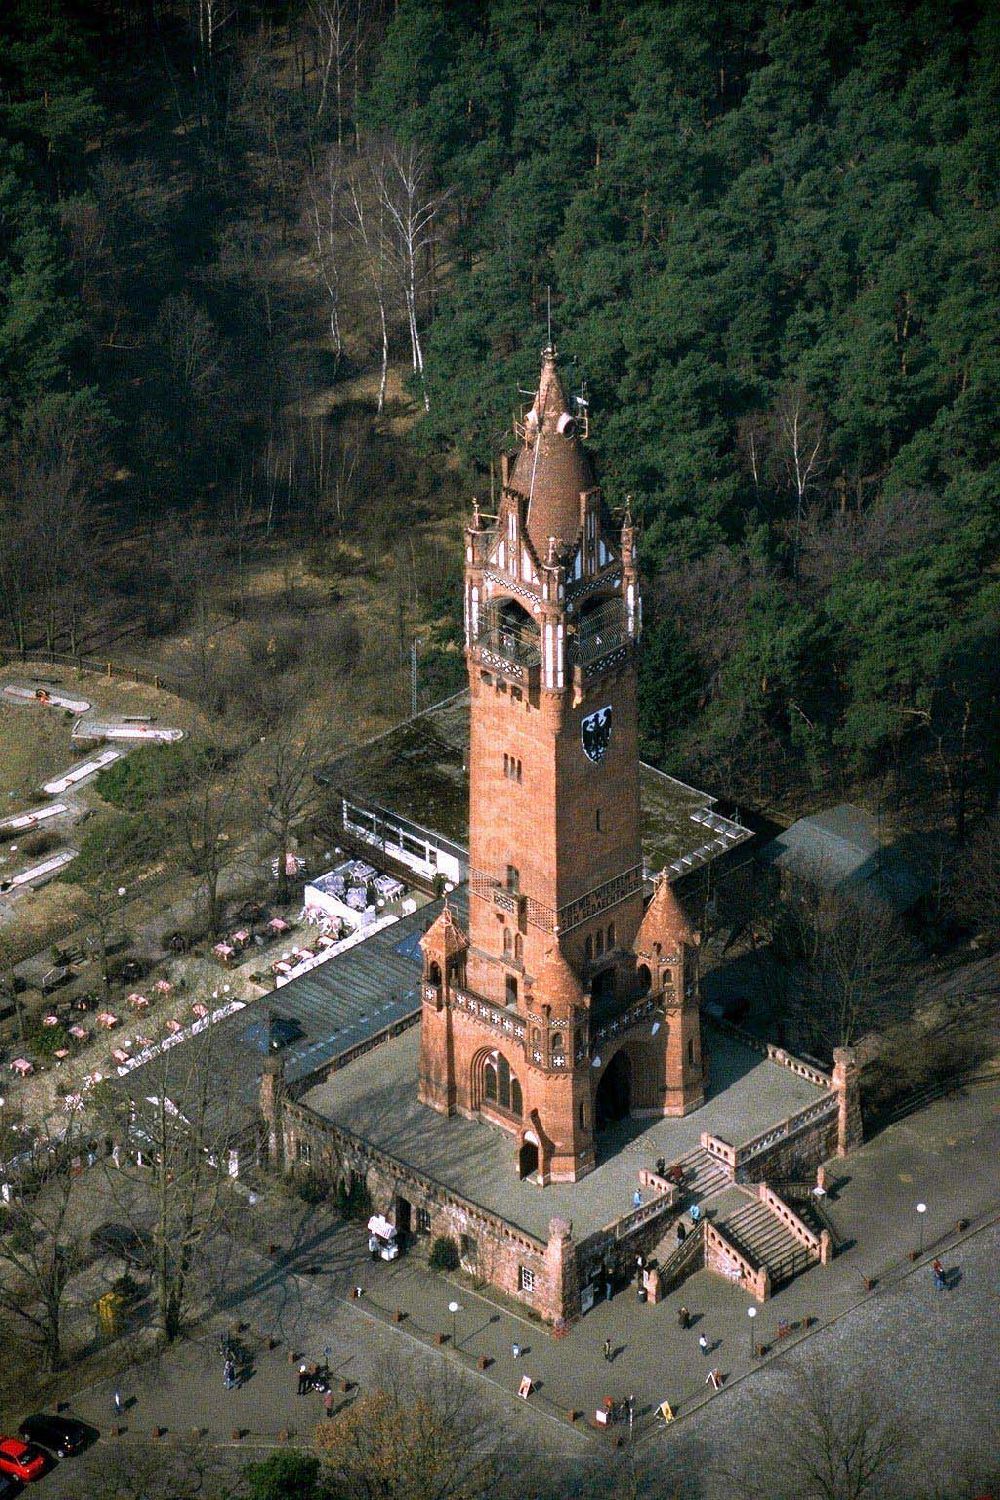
[{"x": 556, "y": 1103}]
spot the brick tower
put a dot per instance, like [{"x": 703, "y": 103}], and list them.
[{"x": 567, "y": 1004}]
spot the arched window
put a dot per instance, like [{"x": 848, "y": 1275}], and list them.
[
  {"x": 503, "y": 1082},
  {"x": 611, "y": 936},
  {"x": 506, "y": 942},
  {"x": 557, "y": 1044},
  {"x": 645, "y": 979},
  {"x": 599, "y": 943},
  {"x": 434, "y": 973},
  {"x": 588, "y": 948},
  {"x": 516, "y": 1102},
  {"x": 490, "y": 1082},
  {"x": 519, "y": 948}
]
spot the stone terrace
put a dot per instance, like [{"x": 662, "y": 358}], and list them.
[{"x": 375, "y": 1099}]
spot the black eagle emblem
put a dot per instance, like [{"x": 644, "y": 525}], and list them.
[{"x": 595, "y": 732}]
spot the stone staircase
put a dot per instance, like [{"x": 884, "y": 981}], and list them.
[
  {"x": 757, "y": 1232},
  {"x": 704, "y": 1176}
]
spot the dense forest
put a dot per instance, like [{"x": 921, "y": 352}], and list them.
[{"x": 768, "y": 236}]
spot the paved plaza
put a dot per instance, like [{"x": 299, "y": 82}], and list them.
[
  {"x": 934, "y": 1352},
  {"x": 376, "y": 1098}
]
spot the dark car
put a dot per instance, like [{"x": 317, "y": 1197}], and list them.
[
  {"x": 133, "y": 1246},
  {"x": 60, "y": 1435},
  {"x": 9, "y": 1486}
]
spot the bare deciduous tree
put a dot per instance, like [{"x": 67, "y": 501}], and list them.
[
  {"x": 842, "y": 954},
  {"x": 799, "y": 432},
  {"x": 211, "y": 821},
  {"x": 168, "y": 1175},
  {"x": 286, "y": 789},
  {"x": 40, "y": 1244},
  {"x": 402, "y": 177},
  {"x": 828, "y": 1436}
]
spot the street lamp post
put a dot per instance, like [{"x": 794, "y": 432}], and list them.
[
  {"x": 454, "y": 1308},
  {"x": 751, "y": 1314},
  {"x": 921, "y": 1210}
]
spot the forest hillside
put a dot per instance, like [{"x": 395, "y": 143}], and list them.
[{"x": 280, "y": 271}]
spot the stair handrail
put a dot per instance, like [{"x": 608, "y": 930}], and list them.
[{"x": 691, "y": 1248}]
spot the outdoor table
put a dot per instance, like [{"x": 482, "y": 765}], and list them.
[
  {"x": 223, "y": 951},
  {"x": 304, "y": 954},
  {"x": 144, "y": 1041},
  {"x": 278, "y": 924},
  {"x": 200, "y": 1010},
  {"x": 240, "y": 937},
  {"x": 174, "y": 1027},
  {"x": 138, "y": 1002},
  {"x": 326, "y": 941},
  {"x": 79, "y": 1032},
  {"x": 120, "y": 1055},
  {"x": 281, "y": 967},
  {"x": 107, "y": 1020},
  {"x": 163, "y": 986},
  {"x": 23, "y": 1066},
  {"x": 50, "y": 1020},
  {"x": 60, "y": 1053}
]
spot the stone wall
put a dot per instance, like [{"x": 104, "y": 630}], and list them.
[{"x": 540, "y": 1274}]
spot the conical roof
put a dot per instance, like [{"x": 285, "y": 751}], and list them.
[
  {"x": 552, "y": 467},
  {"x": 556, "y": 984},
  {"x": 664, "y": 922},
  {"x": 444, "y": 936}
]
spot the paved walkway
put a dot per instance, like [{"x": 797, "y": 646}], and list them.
[{"x": 945, "y": 1157}]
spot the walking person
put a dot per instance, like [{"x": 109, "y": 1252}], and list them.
[
  {"x": 515, "y": 1350},
  {"x": 328, "y": 1404},
  {"x": 683, "y": 1317},
  {"x": 119, "y": 1403},
  {"x": 607, "y": 1350},
  {"x": 938, "y": 1270},
  {"x": 229, "y": 1374},
  {"x": 303, "y": 1380},
  {"x": 703, "y": 1343},
  {"x": 681, "y": 1232}
]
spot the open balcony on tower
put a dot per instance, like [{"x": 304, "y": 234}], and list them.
[{"x": 509, "y": 642}]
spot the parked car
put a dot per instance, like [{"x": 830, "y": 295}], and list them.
[
  {"x": 62, "y": 1436},
  {"x": 9, "y": 1487},
  {"x": 23, "y": 1460}
]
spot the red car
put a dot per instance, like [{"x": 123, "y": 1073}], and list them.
[{"x": 23, "y": 1460}]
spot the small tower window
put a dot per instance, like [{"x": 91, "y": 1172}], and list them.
[
  {"x": 597, "y": 819},
  {"x": 511, "y": 994},
  {"x": 588, "y": 948},
  {"x": 506, "y": 942},
  {"x": 611, "y": 936},
  {"x": 691, "y": 1053},
  {"x": 518, "y": 948},
  {"x": 516, "y": 1102},
  {"x": 599, "y": 942}
]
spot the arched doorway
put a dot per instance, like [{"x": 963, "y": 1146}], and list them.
[
  {"x": 614, "y": 1092},
  {"x": 527, "y": 1158}
]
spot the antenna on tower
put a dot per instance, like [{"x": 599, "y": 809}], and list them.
[{"x": 548, "y": 296}]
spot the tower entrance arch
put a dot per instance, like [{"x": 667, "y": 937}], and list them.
[{"x": 613, "y": 1100}]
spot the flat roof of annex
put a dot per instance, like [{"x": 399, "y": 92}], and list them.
[{"x": 418, "y": 771}]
